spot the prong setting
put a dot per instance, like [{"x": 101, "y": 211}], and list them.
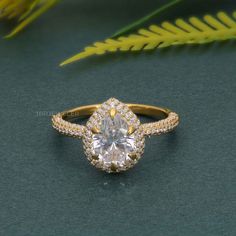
[
  {"x": 95, "y": 130},
  {"x": 133, "y": 156},
  {"x": 113, "y": 167},
  {"x": 112, "y": 113},
  {"x": 131, "y": 130},
  {"x": 95, "y": 158}
]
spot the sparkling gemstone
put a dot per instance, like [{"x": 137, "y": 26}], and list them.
[{"x": 113, "y": 144}]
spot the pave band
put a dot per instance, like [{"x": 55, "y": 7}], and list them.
[{"x": 169, "y": 120}]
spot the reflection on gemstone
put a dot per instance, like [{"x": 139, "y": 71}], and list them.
[{"x": 113, "y": 144}]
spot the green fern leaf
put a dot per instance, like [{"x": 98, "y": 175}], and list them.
[
  {"x": 193, "y": 31},
  {"x": 136, "y": 24},
  {"x": 25, "y": 11}
]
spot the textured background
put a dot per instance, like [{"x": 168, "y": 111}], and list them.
[{"x": 184, "y": 185}]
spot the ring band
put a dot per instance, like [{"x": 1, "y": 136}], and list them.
[{"x": 113, "y": 136}]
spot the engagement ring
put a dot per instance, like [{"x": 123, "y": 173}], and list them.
[{"x": 113, "y": 137}]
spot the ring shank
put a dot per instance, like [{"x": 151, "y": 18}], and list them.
[
  {"x": 140, "y": 109},
  {"x": 166, "y": 119}
]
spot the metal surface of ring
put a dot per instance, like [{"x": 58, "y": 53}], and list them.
[{"x": 113, "y": 137}]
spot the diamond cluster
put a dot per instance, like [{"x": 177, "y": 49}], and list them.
[
  {"x": 112, "y": 148},
  {"x": 161, "y": 126},
  {"x": 67, "y": 128}
]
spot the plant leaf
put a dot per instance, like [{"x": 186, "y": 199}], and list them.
[
  {"x": 30, "y": 17},
  {"x": 193, "y": 31},
  {"x": 139, "y": 22},
  {"x": 33, "y": 5}
]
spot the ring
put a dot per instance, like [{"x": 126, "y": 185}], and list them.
[{"x": 113, "y": 136}]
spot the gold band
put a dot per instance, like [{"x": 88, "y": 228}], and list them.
[
  {"x": 169, "y": 120},
  {"x": 139, "y": 109}
]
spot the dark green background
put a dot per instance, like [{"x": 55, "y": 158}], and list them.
[{"x": 184, "y": 185}]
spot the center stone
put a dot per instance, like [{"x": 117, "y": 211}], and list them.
[{"x": 113, "y": 144}]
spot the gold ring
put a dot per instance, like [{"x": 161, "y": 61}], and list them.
[{"x": 113, "y": 137}]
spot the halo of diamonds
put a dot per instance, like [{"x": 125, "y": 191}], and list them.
[{"x": 95, "y": 122}]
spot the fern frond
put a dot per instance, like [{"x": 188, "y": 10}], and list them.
[
  {"x": 136, "y": 24},
  {"x": 25, "y": 11},
  {"x": 193, "y": 31}
]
